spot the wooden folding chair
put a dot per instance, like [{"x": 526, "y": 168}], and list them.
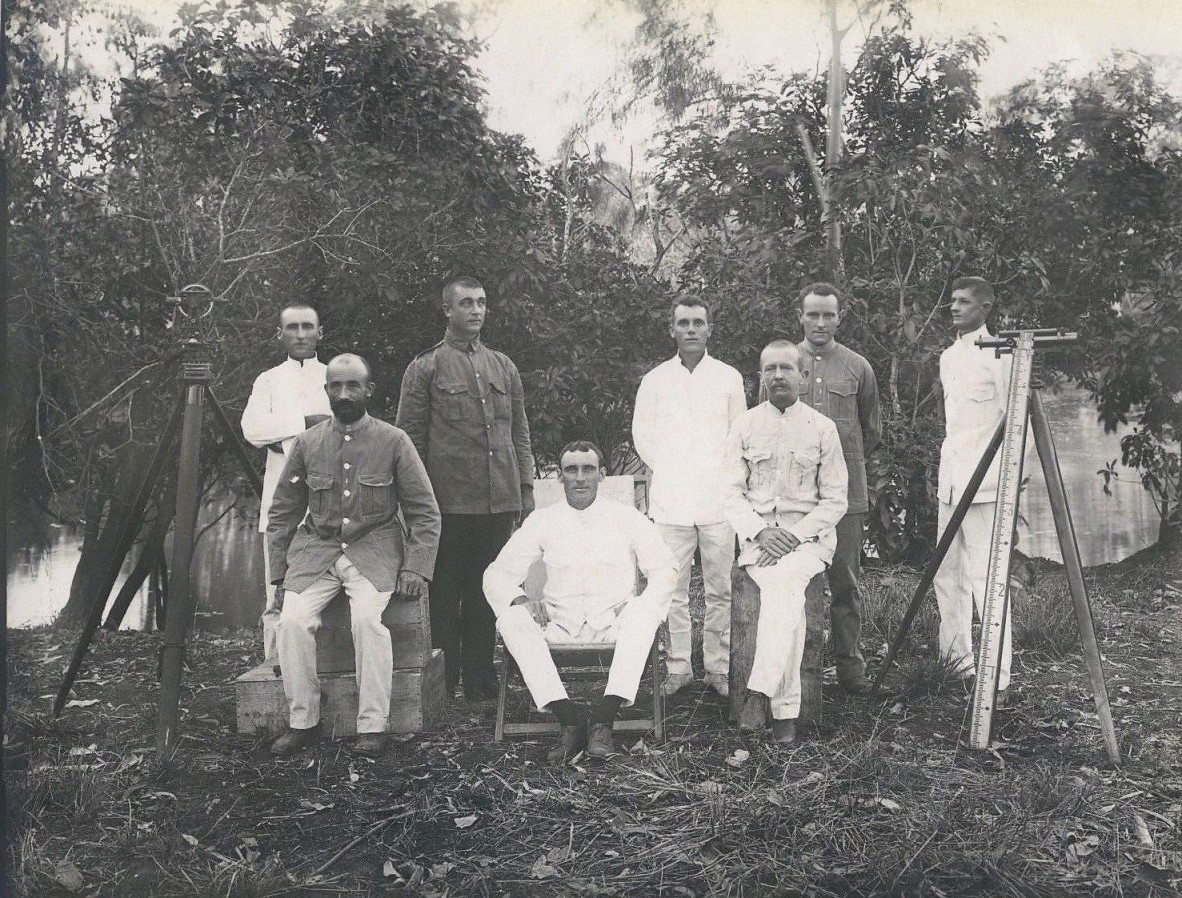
[{"x": 583, "y": 661}]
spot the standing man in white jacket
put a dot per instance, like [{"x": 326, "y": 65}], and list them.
[
  {"x": 684, "y": 409},
  {"x": 284, "y": 401}
]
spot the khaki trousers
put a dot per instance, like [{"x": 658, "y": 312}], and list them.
[{"x": 298, "y": 623}]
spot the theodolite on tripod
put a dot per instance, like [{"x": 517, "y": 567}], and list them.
[{"x": 194, "y": 304}]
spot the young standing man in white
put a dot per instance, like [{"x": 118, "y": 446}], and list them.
[
  {"x": 284, "y": 401},
  {"x": 684, "y": 409},
  {"x": 976, "y": 385}
]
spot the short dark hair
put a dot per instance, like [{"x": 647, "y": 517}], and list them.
[
  {"x": 821, "y": 288},
  {"x": 299, "y": 307},
  {"x": 978, "y": 288},
  {"x": 780, "y": 343},
  {"x": 582, "y": 446},
  {"x": 691, "y": 302},
  {"x": 465, "y": 281}
]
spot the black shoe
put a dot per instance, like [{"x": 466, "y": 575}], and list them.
[
  {"x": 854, "y": 684},
  {"x": 784, "y": 731},
  {"x": 371, "y": 745},
  {"x": 754, "y": 714},
  {"x": 295, "y": 740},
  {"x": 599, "y": 742},
  {"x": 481, "y": 687},
  {"x": 571, "y": 741}
]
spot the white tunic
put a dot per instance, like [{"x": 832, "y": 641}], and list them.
[
  {"x": 679, "y": 429},
  {"x": 976, "y": 387},
  {"x": 591, "y": 557},
  {"x": 279, "y": 401}
]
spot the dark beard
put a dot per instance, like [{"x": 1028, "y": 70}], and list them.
[{"x": 346, "y": 410}]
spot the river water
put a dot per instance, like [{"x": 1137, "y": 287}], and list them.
[{"x": 228, "y": 559}]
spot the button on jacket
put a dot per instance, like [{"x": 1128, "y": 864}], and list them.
[
  {"x": 590, "y": 558},
  {"x": 279, "y": 401},
  {"x": 785, "y": 469},
  {"x": 976, "y": 387},
  {"x": 840, "y": 384},
  {"x": 351, "y": 481},
  {"x": 463, "y": 406},
  {"x": 679, "y": 430}
]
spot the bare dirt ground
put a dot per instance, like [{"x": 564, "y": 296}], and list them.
[{"x": 884, "y": 799}]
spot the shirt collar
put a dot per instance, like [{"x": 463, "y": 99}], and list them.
[
  {"x": 971, "y": 337},
  {"x": 776, "y": 413},
  {"x": 463, "y": 345},
  {"x": 356, "y": 427},
  {"x": 676, "y": 360},
  {"x": 299, "y": 363},
  {"x": 809, "y": 349}
]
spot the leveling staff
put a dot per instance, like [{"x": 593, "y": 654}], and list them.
[
  {"x": 334, "y": 523},
  {"x": 284, "y": 401},
  {"x": 976, "y": 384}
]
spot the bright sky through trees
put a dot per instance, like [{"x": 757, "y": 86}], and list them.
[{"x": 544, "y": 59}]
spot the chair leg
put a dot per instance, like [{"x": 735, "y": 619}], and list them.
[
  {"x": 507, "y": 668},
  {"x": 658, "y": 693}
]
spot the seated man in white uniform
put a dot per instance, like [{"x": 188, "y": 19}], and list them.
[
  {"x": 784, "y": 492},
  {"x": 590, "y": 549}
]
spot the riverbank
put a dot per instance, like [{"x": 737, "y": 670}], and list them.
[{"x": 884, "y": 799}]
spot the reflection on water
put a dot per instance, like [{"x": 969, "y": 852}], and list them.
[
  {"x": 227, "y": 568},
  {"x": 228, "y": 561},
  {"x": 1107, "y": 528}
]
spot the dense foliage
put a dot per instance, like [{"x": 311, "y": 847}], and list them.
[{"x": 284, "y": 150}]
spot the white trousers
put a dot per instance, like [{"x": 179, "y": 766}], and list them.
[
  {"x": 779, "y": 639},
  {"x": 716, "y": 542},
  {"x": 529, "y": 645},
  {"x": 298, "y": 623},
  {"x": 960, "y": 585},
  {"x": 270, "y": 617}
]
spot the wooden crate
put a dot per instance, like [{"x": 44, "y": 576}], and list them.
[
  {"x": 410, "y": 632},
  {"x": 417, "y": 699},
  {"x": 744, "y": 627}
]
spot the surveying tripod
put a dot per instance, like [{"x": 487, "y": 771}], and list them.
[
  {"x": 196, "y": 376},
  {"x": 1024, "y": 407}
]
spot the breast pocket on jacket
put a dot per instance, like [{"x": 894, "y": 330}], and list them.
[
  {"x": 761, "y": 469},
  {"x": 453, "y": 399},
  {"x": 843, "y": 400},
  {"x": 377, "y": 494},
  {"x": 982, "y": 392},
  {"x": 319, "y": 493},
  {"x": 805, "y": 462},
  {"x": 498, "y": 394}
]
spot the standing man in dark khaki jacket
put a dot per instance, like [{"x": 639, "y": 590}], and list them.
[
  {"x": 463, "y": 406},
  {"x": 840, "y": 384}
]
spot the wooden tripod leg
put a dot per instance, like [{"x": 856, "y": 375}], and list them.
[
  {"x": 115, "y": 562},
  {"x": 235, "y": 442},
  {"x": 1071, "y": 561}
]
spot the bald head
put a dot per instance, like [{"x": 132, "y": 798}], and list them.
[{"x": 349, "y": 385}]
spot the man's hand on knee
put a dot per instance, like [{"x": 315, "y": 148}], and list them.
[
  {"x": 774, "y": 544},
  {"x": 410, "y": 586},
  {"x": 536, "y": 608}
]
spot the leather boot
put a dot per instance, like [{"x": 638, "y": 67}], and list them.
[
  {"x": 599, "y": 742},
  {"x": 571, "y": 741},
  {"x": 294, "y": 740},
  {"x": 754, "y": 715},
  {"x": 784, "y": 731}
]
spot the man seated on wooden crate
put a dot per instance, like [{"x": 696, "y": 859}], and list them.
[
  {"x": 590, "y": 549},
  {"x": 349, "y": 476},
  {"x": 784, "y": 492}
]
